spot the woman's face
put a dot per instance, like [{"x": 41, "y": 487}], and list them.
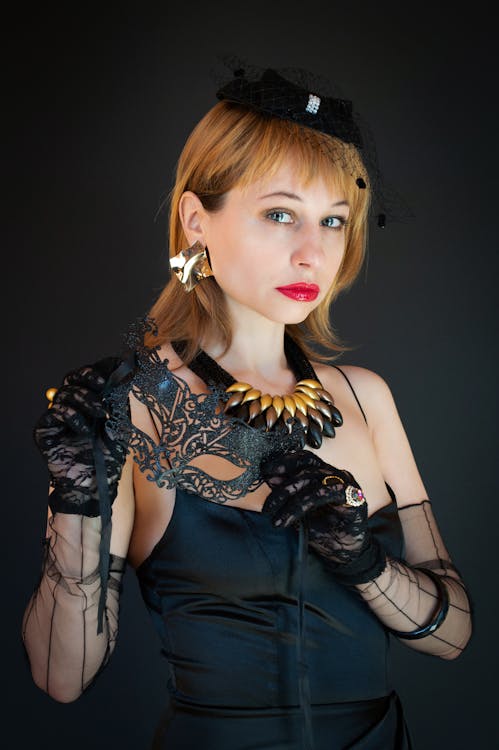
[{"x": 276, "y": 246}]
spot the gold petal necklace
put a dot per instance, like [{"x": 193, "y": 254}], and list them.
[{"x": 310, "y": 407}]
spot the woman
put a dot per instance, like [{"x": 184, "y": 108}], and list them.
[{"x": 279, "y": 533}]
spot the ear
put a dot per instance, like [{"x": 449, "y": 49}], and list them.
[{"x": 192, "y": 215}]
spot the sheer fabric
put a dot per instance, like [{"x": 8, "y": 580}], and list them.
[
  {"x": 60, "y": 623},
  {"x": 405, "y": 598}
]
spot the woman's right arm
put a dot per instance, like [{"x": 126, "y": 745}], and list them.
[
  {"x": 59, "y": 627},
  {"x": 70, "y": 625}
]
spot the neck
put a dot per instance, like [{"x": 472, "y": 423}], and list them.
[{"x": 259, "y": 351}]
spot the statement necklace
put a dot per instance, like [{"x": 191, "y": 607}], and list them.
[
  {"x": 309, "y": 404},
  {"x": 309, "y": 407}
]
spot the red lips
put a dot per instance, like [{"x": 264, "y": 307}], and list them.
[{"x": 300, "y": 292}]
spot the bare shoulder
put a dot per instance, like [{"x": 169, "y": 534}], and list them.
[
  {"x": 368, "y": 380},
  {"x": 168, "y": 354},
  {"x": 391, "y": 444},
  {"x": 181, "y": 371},
  {"x": 371, "y": 389}
]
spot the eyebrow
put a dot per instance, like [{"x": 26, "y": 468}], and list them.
[{"x": 297, "y": 197}]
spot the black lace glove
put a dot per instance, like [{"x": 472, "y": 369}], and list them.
[
  {"x": 331, "y": 504},
  {"x": 73, "y": 434}
]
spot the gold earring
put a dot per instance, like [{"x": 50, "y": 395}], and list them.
[{"x": 191, "y": 266}]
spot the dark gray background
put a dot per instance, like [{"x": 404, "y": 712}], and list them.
[{"x": 98, "y": 108}]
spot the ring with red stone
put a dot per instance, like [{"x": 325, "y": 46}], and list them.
[{"x": 354, "y": 496}]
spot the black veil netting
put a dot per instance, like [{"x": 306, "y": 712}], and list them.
[{"x": 308, "y": 99}]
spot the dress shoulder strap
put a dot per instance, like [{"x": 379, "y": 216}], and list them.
[{"x": 353, "y": 391}]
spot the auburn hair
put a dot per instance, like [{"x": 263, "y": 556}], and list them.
[{"x": 233, "y": 146}]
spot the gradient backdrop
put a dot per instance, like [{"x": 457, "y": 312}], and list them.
[{"x": 98, "y": 105}]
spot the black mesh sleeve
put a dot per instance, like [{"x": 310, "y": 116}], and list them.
[
  {"x": 60, "y": 622},
  {"x": 404, "y": 596}
]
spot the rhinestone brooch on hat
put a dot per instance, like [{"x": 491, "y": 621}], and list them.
[{"x": 314, "y": 102}]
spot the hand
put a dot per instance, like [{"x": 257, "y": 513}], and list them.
[
  {"x": 331, "y": 504},
  {"x": 67, "y": 432}
]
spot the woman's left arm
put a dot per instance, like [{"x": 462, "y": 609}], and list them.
[{"x": 422, "y": 598}]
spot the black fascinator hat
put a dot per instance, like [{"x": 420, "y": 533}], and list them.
[
  {"x": 300, "y": 97},
  {"x": 278, "y": 97}
]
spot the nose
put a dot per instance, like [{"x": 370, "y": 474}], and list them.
[{"x": 308, "y": 250}]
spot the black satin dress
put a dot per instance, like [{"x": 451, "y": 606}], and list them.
[{"x": 240, "y": 608}]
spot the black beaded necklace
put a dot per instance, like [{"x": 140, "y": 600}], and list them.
[{"x": 310, "y": 407}]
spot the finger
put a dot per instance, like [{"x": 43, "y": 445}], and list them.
[
  {"x": 86, "y": 376},
  {"x": 285, "y": 476},
  {"x": 107, "y": 366},
  {"x": 305, "y": 460},
  {"x": 278, "y": 500},
  {"x": 272, "y": 503},
  {"x": 88, "y": 403},
  {"x": 350, "y": 479},
  {"x": 291, "y": 484},
  {"x": 289, "y": 463},
  {"x": 99, "y": 375},
  {"x": 284, "y": 509},
  {"x": 292, "y": 513},
  {"x": 351, "y": 514},
  {"x": 65, "y": 417},
  {"x": 291, "y": 487},
  {"x": 334, "y": 488}
]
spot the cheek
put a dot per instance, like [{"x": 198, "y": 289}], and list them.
[
  {"x": 237, "y": 250},
  {"x": 232, "y": 266},
  {"x": 336, "y": 256},
  {"x": 332, "y": 268}
]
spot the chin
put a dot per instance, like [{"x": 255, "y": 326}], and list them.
[
  {"x": 299, "y": 314},
  {"x": 288, "y": 319}
]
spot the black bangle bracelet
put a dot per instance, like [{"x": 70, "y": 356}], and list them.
[{"x": 439, "y": 617}]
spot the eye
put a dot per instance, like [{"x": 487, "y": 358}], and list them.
[
  {"x": 281, "y": 217},
  {"x": 334, "y": 222}
]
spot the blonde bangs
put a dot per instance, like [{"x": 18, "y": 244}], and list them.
[{"x": 314, "y": 155}]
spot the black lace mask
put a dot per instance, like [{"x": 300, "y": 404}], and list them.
[{"x": 188, "y": 430}]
